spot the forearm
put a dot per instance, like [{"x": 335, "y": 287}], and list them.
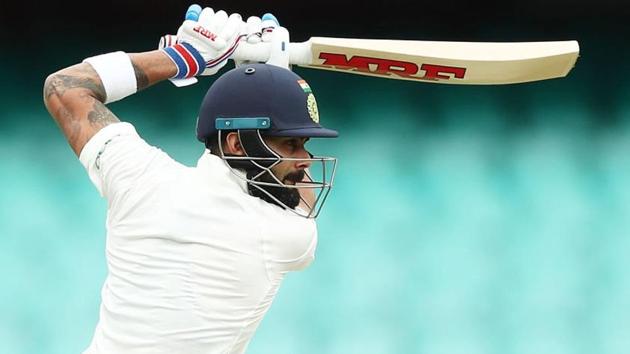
[
  {"x": 75, "y": 96},
  {"x": 152, "y": 67}
]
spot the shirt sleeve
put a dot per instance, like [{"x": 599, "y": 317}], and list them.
[
  {"x": 291, "y": 243},
  {"x": 116, "y": 158}
]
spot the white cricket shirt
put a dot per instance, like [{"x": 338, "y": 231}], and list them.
[{"x": 194, "y": 261}]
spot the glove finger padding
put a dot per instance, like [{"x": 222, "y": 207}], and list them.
[
  {"x": 216, "y": 23},
  {"x": 251, "y": 33},
  {"x": 205, "y": 16},
  {"x": 232, "y": 28},
  {"x": 269, "y": 23},
  {"x": 254, "y": 30},
  {"x": 231, "y": 32}
]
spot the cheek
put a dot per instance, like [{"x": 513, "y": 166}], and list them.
[{"x": 282, "y": 169}]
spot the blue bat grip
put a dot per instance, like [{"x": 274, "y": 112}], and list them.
[{"x": 193, "y": 12}]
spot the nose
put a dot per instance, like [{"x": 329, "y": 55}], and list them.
[{"x": 303, "y": 164}]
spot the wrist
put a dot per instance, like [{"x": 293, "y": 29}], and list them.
[
  {"x": 187, "y": 59},
  {"x": 152, "y": 67}
]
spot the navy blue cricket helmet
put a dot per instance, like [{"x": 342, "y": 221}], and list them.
[
  {"x": 262, "y": 91},
  {"x": 261, "y": 100}
]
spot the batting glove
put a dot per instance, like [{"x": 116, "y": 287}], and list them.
[
  {"x": 258, "y": 30},
  {"x": 204, "y": 42}
]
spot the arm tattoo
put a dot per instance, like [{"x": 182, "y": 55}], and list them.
[
  {"x": 100, "y": 116},
  {"x": 82, "y": 76},
  {"x": 74, "y": 97},
  {"x": 59, "y": 84},
  {"x": 141, "y": 77}
]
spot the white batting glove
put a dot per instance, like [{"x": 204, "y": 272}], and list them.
[
  {"x": 278, "y": 38},
  {"x": 253, "y": 35},
  {"x": 258, "y": 30},
  {"x": 167, "y": 40},
  {"x": 203, "y": 44},
  {"x": 254, "y": 31}
]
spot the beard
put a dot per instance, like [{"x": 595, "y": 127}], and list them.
[{"x": 288, "y": 196}]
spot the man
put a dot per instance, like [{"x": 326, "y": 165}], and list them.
[{"x": 195, "y": 255}]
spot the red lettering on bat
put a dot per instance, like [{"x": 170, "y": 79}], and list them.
[
  {"x": 387, "y": 67},
  {"x": 433, "y": 72},
  {"x": 371, "y": 65},
  {"x": 205, "y": 32}
]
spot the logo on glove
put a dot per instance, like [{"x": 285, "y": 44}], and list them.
[{"x": 206, "y": 33}]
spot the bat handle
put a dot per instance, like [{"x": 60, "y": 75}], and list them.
[{"x": 299, "y": 53}]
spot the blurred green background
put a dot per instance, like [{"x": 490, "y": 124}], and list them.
[{"x": 464, "y": 220}]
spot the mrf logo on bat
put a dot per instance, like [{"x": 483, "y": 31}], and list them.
[{"x": 386, "y": 67}]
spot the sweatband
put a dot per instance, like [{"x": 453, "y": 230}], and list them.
[
  {"x": 116, "y": 73},
  {"x": 189, "y": 61}
]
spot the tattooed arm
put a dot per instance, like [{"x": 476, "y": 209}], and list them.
[{"x": 74, "y": 96}]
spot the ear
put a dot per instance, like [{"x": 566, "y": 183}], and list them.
[{"x": 233, "y": 145}]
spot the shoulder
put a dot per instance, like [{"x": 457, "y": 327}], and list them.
[
  {"x": 289, "y": 240},
  {"x": 117, "y": 158}
]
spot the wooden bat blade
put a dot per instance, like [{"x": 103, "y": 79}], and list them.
[{"x": 471, "y": 63}]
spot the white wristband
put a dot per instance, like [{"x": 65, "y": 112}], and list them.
[{"x": 116, "y": 73}]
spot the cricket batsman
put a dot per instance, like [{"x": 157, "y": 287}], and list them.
[{"x": 195, "y": 255}]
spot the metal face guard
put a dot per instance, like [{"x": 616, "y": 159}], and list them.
[{"x": 314, "y": 189}]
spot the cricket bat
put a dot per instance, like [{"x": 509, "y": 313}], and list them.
[{"x": 466, "y": 63}]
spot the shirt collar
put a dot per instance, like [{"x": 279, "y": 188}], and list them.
[{"x": 213, "y": 164}]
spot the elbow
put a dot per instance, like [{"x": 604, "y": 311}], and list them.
[
  {"x": 57, "y": 92},
  {"x": 56, "y": 99},
  {"x": 50, "y": 89},
  {"x": 73, "y": 82}
]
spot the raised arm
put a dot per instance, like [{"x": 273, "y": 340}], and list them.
[{"x": 75, "y": 96}]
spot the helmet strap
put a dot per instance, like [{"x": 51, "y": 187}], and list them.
[{"x": 254, "y": 147}]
